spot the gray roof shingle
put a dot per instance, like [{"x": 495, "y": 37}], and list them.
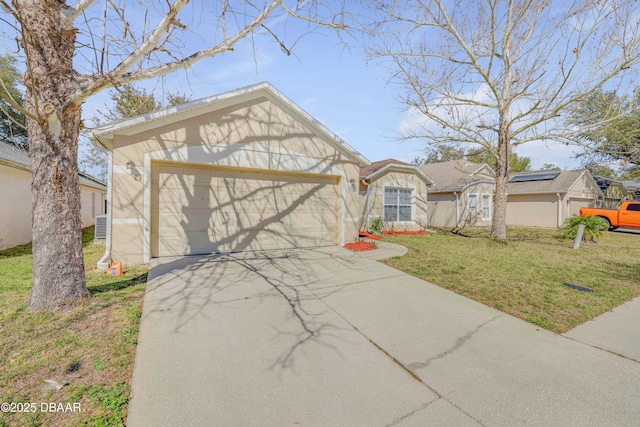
[
  {"x": 455, "y": 175},
  {"x": 13, "y": 155},
  {"x": 375, "y": 166}
]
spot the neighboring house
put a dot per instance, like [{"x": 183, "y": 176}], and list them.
[
  {"x": 614, "y": 193},
  {"x": 15, "y": 196},
  {"x": 395, "y": 191},
  {"x": 632, "y": 187},
  {"x": 462, "y": 194},
  {"x": 548, "y": 198},
  {"x": 243, "y": 170}
]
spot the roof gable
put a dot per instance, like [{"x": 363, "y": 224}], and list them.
[
  {"x": 375, "y": 166},
  {"x": 104, "y": 135},
  {"x": 456, "y": 175},
  {"x": 13, "y": 156},
  {"x": 375, "y": 169}
]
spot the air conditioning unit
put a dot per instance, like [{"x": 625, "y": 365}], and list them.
[{"x": 100, "y": 230}]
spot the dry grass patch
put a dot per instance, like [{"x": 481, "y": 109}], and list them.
[
  {"x": 525, "y": 276},
  {"x": 90, "y": 347}
]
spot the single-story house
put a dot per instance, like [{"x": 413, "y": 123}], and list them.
[
  {"x": 15, "y": 194},
  {"x": 395, "y": 191},
  {"x": 614, "y": 193},
  {"x": 243, "y": 170},
  {"x": 549, "y": 198},
  {"x": 462, "y": 194},
  {"x": 632, "y": 186}
]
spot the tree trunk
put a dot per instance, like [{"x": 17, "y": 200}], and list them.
[
  {"x": 499, "y": 221},
  {"x": 58, "y": 267}
]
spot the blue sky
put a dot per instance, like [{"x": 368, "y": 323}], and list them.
[{"x": 337, "y": 86}]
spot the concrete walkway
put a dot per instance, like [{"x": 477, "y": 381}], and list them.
[
  {"x": 327, "y": 337},
  {"x": 617, "y": 331}
]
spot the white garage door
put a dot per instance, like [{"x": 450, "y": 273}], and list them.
[{"x": 201, "y": 210}]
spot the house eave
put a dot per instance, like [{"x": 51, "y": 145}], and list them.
[
  {"x": 460, "y": 189},
  {"x": 15, "y": 165},
  {"x": 401, "y": 168}
]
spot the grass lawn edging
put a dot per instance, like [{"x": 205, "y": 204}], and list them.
[{"x": 87, "y": 350}]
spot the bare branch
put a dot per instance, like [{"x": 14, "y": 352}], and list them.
[
  {"x": 7, "y": 8},
  {"x": 294, "y": 14},
  {"x": 71, "y": 13},
  {"x": 120, "y": 74}
]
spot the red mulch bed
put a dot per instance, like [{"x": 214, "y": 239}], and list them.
[
  {"x": 406, "y": 233},
  {"x": 369, "y": 235},
  {"x": 359, "y": 246}
]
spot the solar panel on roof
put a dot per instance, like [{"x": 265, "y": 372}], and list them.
[{"x": 535, "y": 177}]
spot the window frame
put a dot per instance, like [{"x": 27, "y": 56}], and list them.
[
  {"x": 397, "y": 203},
  {"x": 489, "y": 207},
  {"x": 477, "y": 204}
]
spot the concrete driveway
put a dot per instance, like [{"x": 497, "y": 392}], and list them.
[{"x": 326, "y": 337}]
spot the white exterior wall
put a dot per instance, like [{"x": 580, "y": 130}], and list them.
[
  {"x": 91, "y": 204},
  {"x": 396, "y": 179},
  {"x": 15, "y": 206}
]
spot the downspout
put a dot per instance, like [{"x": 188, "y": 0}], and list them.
[
  {"x": 104, "y": 262},
  {"x": 559, "y": 210},
  {"x": 457, "y": 207},
  {"x": 367, "y": 207}
]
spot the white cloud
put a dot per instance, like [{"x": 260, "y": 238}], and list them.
[
  {"x": 551, "y": 152},
  {"x": 470, "y": 113}
]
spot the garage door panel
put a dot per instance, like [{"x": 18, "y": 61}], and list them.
[{"x": 205, "y": 210}]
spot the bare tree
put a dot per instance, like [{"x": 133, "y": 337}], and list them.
[
  {"x": 70, "y": 53},
  {"x": 498, "y": 73}
]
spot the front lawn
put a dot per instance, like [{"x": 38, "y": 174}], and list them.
[
  {"x": 525, "y": 276},
  {"x": 88, "y": 348}
]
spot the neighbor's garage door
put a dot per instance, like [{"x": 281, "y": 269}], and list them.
[{"x": 200, "y": 210}]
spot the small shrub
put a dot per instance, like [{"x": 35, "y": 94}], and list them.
[
  {"x": 377, "y": 225},
  {"x": 594, "y": 227}
]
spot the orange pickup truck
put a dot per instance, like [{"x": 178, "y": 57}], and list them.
[{"x": 627, "y": 216}]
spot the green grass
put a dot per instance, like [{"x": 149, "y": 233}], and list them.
[
  {"x": 525, "y": 276},
  {"x": 91, "y": 346}
]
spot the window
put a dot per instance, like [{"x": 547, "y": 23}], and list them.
[
  {"x": 472, "y": 205},
  {"x": 397, "y": 204},
  {"x": 633, "y": 207},
  {"x": 486, "y": 206}
]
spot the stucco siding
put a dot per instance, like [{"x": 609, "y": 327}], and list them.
[
  {"x": 127, "y": 240},
  {"x": 574, "y": 205},
  {"x": 478, "y": 219},
  {"x": 402, "y": 180},
  {"x": 583, "y": 194},
  {"x": 442, "y": 207},
  {"x": 532, "y": 210},
  {"x": 252, "y": 136}
]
